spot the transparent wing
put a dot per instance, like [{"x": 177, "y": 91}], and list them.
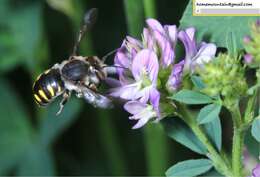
[{"x": 96, "y": 99}]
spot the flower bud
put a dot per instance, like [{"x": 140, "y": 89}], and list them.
[
  {"x": 224, "y": 76},
  {"x": 248, "y": 58},
  {"x": 247, "y": 39}
]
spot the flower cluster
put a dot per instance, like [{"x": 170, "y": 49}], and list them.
[
  {"x": 224, "y": 76},
  {"x": 252, "y": 46},
  {"x": 148, "y": 72}
]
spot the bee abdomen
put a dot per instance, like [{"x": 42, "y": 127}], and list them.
[
  {"x": 42, "y": 97},
  {"x": 47, "y": 87}
]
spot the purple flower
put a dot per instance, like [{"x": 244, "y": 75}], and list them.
[
  {"x": 139, "y": 63},
  {"x": 143, "y": 112},
  {"x": 195, "y": 55},
  {"x": 144, "y": 70},
  {"x": 248, "y": 58},
  {"x": 247, "y": 39},
  {"x": 175, "y": 78},
  {"x": 125, "y": 55}
]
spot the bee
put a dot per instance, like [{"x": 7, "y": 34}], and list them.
[{"x": 79, "y": 74}]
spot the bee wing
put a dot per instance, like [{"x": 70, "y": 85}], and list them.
[{"x": 96, "y": 99}]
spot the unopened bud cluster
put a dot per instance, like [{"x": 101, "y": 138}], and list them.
[{"x": 224, "y": 76}]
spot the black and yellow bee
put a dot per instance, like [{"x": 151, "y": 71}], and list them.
[{"x": 79, "y": 74}]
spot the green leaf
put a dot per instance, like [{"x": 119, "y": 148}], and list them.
[
  {"x": 37, "y": 161},
  {"x": 198, "y": 83},
  {"x": 52, "y": 125},
  {"x": 191, "y": 97},
  {"x": 231, "y": 44},
  {"x": 255, "y": 130},
  {"x": 180, "y": 132},
  {"x": 208, "y": 113},
  {"x": 15, "y": 129},
  {"x": 24, "y": 31},
  {"x": 214, "y": 131},
  {"x": 217, "y": 29},
  {"x": 189, "y": 168}
]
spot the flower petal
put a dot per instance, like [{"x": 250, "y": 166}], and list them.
[
  {"x": 191, "y": 33},
  {"x": 188, "y": 40},
  {"x": 154, "y": 25},
  {"x": 121, "y": 57},
  {"x": 166, "y": 50},
  {"x": 128, "y": 92},
  {"x": 205, "y": 53},
  {"x": 134, "y": 107},
  {"x": 172, "y": 33},
  {"x": 256, "y": 171},
  {"x": 141, "y": 123},
  {"x": 134, "y": 42},
  {"x": 148, "y": 39},
  {"x": 145, "y": 92},
  {"x": 175, "y": 78},
  {"x": 145, "y": 61},
  {"x": 155, "y": 100}
]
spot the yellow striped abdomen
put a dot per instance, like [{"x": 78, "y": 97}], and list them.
[{"x": 48, "y": 86}]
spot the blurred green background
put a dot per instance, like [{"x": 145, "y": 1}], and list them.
[{"x": 36, "y": 34}]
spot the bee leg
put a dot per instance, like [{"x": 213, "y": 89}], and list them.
[
  {"x": 110, "y": 70},
  {"x": 93, "y": 87},
  {"x": 64, "y": 100},
  {"x": 101, "y": 75}
]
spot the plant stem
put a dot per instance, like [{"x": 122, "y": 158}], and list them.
[
  {"x": 237, "y": 150},
  {"x": 134, "y": 17},
  {"x": 218, "y": 162},
  {"x": 238, "y": 140},
  {"x": 157, "y": 154},
  {"x": 149, "y": 8},
  {"x": 110, "y": 142}
]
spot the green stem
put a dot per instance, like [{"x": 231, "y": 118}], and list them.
[
  {"x": 134, "y": 17},
  {"x": 149, "y": 8},
  {"x": 218, "y": 162},
  {"x": 156, "y": 146},
  {"x": 238, "y": 140},
  {"x": 110, "y": 142},
  {"x": 237, "y": 150}
]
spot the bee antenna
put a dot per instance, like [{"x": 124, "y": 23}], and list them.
[
  {"x": 90, "y": 18},
  {"x": 108, "y": 54},
  {"x": 115, "y": 66}
]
